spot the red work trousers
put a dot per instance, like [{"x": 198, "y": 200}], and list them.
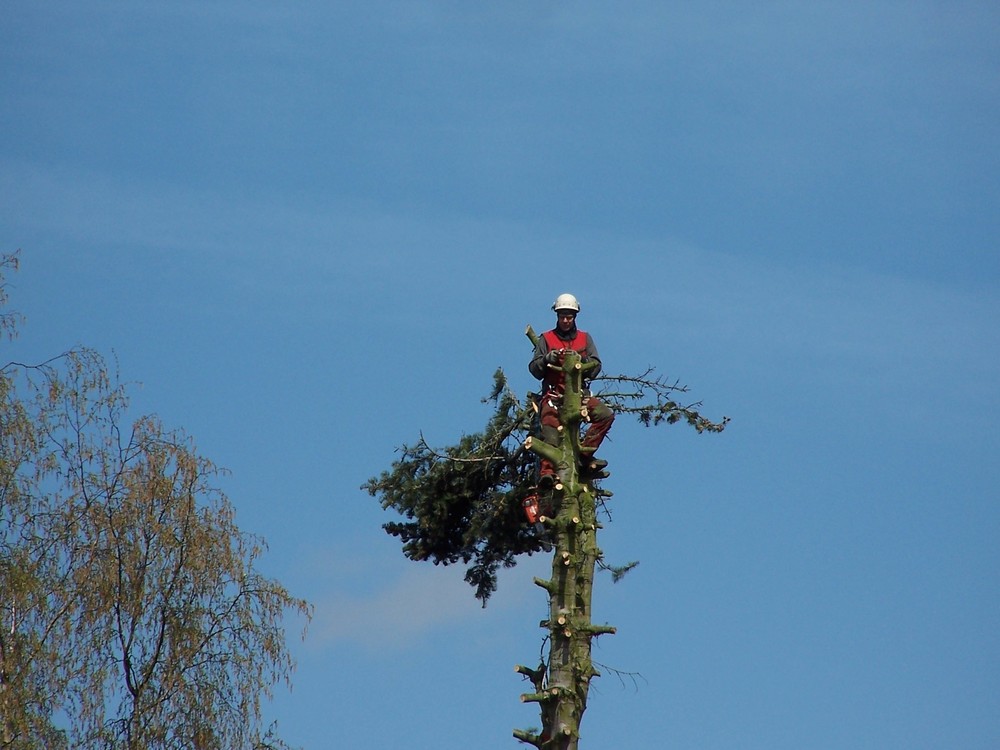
[{"x": 600, "y": 415}]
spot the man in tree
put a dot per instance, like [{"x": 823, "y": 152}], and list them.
[
  {"x": 461, "y": 504},
  {"x": 550, "y": 350}
]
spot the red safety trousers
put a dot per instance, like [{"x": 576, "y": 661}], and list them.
[{"x": 600, "y": 415}]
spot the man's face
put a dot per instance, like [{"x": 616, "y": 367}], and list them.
[{"x": 566, "y": 319}]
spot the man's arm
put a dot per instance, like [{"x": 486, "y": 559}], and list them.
[
  {"x": 591, "y": 355},
  {"x": 537, "y": 365}
]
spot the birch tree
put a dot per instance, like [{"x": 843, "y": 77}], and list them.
[{"x": 133, "y": 615}]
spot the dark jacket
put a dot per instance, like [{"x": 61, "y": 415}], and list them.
[{"x": 572, "y": 340}]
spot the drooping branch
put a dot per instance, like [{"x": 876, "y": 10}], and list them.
[
  {"x": 653, "y": 400},
  {"x": 423, "y": 447}
]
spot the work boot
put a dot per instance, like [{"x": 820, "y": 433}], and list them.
[{"x": 546, "y": 481}]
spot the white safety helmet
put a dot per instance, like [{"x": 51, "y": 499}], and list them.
[{"x": 566, "y": 302}]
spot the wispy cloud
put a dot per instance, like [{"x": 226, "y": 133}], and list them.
[{"x": 413, "y": 602}]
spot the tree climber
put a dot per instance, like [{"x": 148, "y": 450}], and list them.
[{"x": 550, "y": 350}]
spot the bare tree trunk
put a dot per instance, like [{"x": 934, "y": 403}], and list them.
[{"x": 562, "y": 686}]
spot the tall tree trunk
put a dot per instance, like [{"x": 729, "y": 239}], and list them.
[{"x": 562, "y": 686}]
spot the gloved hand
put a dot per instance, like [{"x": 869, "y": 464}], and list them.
[{"x": 553, "y": 357}]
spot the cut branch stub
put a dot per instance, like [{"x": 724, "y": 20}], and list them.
[{"x": 570, "y": 588}]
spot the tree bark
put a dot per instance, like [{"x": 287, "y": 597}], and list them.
[{"x": 562, "y": 686}]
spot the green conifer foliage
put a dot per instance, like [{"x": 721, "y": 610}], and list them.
[{"x": 464, "y": 504}]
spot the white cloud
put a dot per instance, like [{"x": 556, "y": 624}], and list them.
[{"x": 416, "y": 601}]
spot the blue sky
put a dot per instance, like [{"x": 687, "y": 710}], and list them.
[{"x": 310, "y": 232}]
